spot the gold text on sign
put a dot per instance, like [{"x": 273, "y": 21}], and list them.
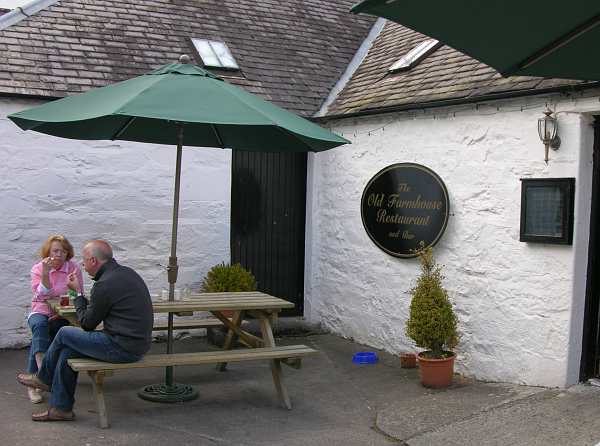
[
  {"x": 419, "y": 220},
  {"x": 394, "y": 201}
]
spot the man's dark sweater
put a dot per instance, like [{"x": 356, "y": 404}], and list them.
[{"x": 121, "y": 300}]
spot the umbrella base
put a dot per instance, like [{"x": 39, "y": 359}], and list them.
[{"x": 162, "y": 393}]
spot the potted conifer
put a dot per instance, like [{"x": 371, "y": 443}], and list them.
[
  {"x": 226, "y": 277},
  {"x": 432, "y": 323}
]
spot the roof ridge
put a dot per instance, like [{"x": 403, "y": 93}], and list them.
[
  {"x": 22, "y": 12},
  {"x": 357, "y": 59}
]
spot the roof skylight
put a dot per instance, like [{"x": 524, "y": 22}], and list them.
[
  {"x": 215, "y": 54},
  {"x": 414, "y": 56}
]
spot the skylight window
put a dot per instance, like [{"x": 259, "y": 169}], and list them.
[
  {"x": 215, "y": 54},
  {"x": 414, "y": 56}
]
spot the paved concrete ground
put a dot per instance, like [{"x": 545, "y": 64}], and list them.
[{"x": 335, "y": 403}]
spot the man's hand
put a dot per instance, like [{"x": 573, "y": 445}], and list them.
[{"x": 73, "y": 282}]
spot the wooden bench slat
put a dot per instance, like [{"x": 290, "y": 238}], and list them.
[
  {"x": 202, "y": 299},
  {"x": 189, "y": 324},
  {"x": 181, "y": 306},
  {"x": 231, "y": 298},
  {"x": 224, "y": 300},
  {"x": 177, "y": 359},
  {"x": 230, "y": 293}
]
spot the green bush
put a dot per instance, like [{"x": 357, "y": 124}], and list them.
[
  {"x": 432, "y": 322},
  {"x": 226, "y": 277}
]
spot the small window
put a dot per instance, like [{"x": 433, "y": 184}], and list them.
[
  {"x": 416, "y": 55},
  {"x": 215, "y": 54},
  {"x": 547, "y": 210}
]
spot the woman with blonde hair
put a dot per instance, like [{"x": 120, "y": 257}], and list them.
[{"x": 49, "y": 279}]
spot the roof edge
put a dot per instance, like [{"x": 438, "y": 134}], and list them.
[
  {"x": 29, "y": 96},
  {"x": 458, "y": 101},
  {"x": 356, "y": 61},
  {"x": 22, "y": 12}
]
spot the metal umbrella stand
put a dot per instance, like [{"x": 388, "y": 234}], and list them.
[{"x": 171, "y": 392}]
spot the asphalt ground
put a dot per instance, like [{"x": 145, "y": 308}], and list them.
[{"x": 335, "y": 402}]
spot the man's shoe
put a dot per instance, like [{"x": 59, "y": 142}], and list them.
[
  {"x": 53, "y": 414},
  {"x": 35, "y": 395},
  {"x": 31, "y": 380}
]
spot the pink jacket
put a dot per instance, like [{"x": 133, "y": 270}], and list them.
[{"x": 58, "y": 281}]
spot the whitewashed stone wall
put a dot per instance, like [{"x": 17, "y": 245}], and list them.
[
  {"x": 520, "y": 305},
  {"x": 116, "y": 190}
]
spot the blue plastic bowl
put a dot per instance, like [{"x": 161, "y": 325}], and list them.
[{"x": 364, "y": 358}]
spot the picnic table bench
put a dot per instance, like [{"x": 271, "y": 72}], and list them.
[
  {"x": 98, "y": 370},
  {"x": 261, "y": 306},
  {"x": 189, "y": 324}
]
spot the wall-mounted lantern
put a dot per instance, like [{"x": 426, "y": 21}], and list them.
[{"x": 548, "y": 132}]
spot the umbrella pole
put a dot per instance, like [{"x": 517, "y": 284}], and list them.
[
  {"x": 171, "y": 392},
  {"x": 173, "y": 268}
]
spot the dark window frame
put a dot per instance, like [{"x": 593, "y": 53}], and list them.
[{"x": 567, "y": 189}]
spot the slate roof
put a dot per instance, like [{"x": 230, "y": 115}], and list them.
[
  {"x": 290, "y": 52},
  {"x": 446, "y": 74}
]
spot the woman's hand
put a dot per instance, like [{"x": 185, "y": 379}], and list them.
[{"x": 47, "y": 265}]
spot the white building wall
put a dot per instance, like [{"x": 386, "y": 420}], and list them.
[
  {"x": 520, "y": 305},
  {"x": 119, "y": 191}
]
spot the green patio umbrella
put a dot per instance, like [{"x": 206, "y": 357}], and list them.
[
  {"x": 178, "y": 104},
  {"x": 549, "y": 38}
]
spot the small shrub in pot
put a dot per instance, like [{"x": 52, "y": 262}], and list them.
[
  {"x": 225, "y": 277},
  {"x": 432, "y": 322}
]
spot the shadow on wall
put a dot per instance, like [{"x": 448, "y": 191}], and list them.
[{"x": 246, "y": 215}]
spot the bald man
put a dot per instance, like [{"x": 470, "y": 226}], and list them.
[{"x": 119, "y": 299}]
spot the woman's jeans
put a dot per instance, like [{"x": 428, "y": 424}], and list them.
[
  {"x": 74, "y": 342},
  {"x": 43, "y": 332}
]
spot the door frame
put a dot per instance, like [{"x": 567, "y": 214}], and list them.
[{"x": 590, "y": 353}]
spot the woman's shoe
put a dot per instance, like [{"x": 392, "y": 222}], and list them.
[
  {"x": 31, "y": 380},
  {"x": 35, "y": 395}
]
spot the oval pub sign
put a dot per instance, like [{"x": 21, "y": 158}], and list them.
[{"x": 403, "y": 205}]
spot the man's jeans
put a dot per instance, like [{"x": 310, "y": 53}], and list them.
[
  {"x": 43, "y": 332},
  {"x": 73, "y": 342}
]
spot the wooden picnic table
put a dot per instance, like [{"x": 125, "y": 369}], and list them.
[
  {"x": 256, "y": 304},
  {"x": 211, "y": 302},
  {"x": 260, "y": 306}
]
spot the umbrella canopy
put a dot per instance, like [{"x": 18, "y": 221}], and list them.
[
  {"x": 212, "y": 112},
  {"x": 549, "y": 38},
  {"x": 185, "y": 105}
]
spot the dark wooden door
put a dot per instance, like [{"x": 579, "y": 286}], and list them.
[
  {"x": 590, "y": 355},
  {"x": 268, "y": 211}
]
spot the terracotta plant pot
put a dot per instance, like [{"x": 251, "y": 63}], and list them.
[
  {"x": 408, "y": 360},
  {"x": 436, "y": 373},
  {"x": 227, "y": 313}
]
